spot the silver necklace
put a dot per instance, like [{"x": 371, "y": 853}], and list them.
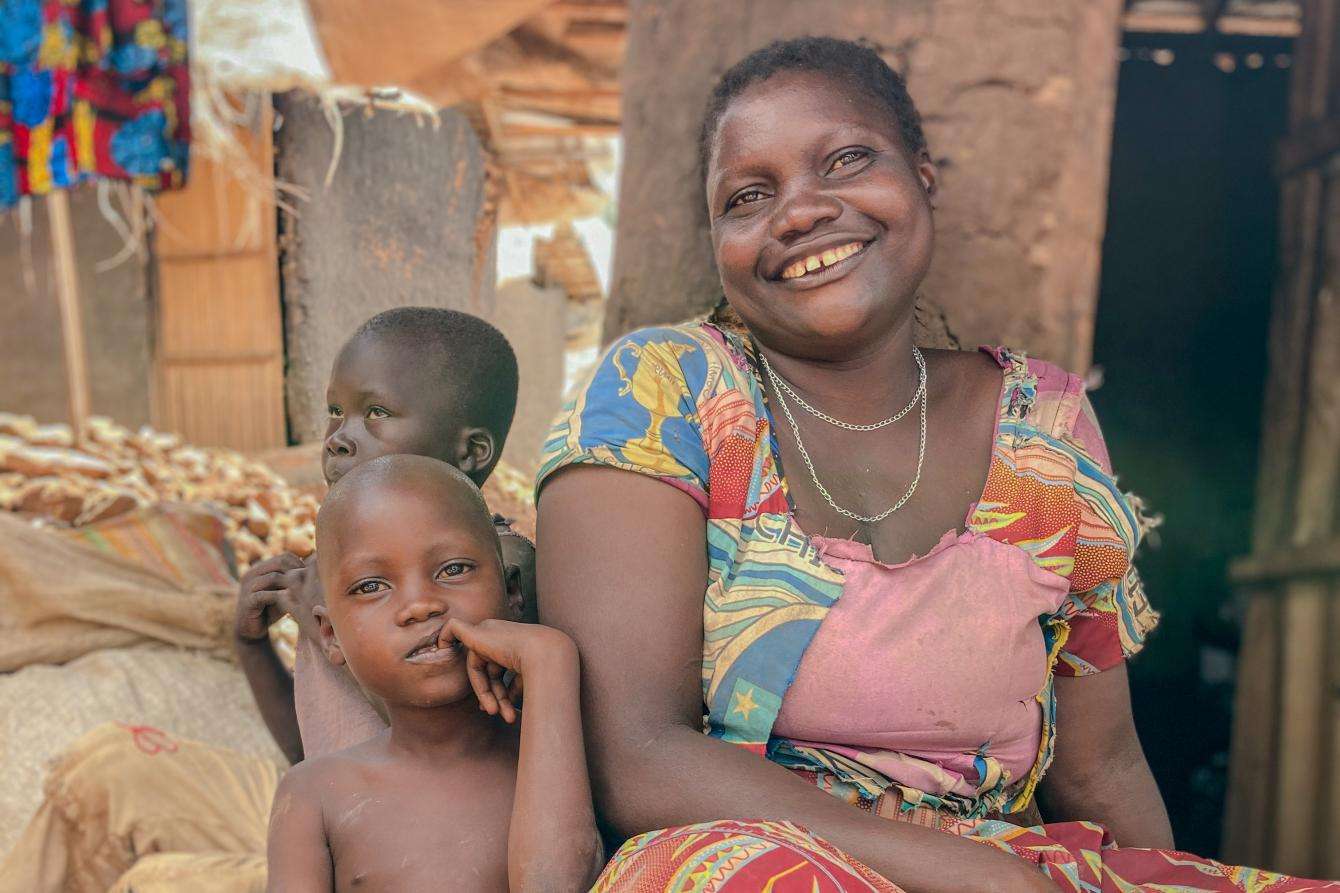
[
  {"x": 780, "y": 388},
  {"x": 783, "y": 385}
]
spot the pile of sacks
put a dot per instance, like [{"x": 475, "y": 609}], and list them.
[{"x": 45, "y": 475}]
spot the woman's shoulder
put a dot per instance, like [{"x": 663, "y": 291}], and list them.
[
  {"x": 697, "y": 358},
  {"x": 698, "y": 337},
  {"x": 1040, "y": 394}
]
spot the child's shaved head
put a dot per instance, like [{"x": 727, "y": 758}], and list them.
[{"x": 420, "y": 475}]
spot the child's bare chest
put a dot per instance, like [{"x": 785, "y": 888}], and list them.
[{"x": 443, "y": 831}]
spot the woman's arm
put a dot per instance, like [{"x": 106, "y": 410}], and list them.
[
  {"x": 1099, "y": 771},
  {"x": 622, "y": 569}
]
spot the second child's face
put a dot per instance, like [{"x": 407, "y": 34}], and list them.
[
  {"x": 821, "y": 221},
  {"x": 405, "y": 564},
  {"x": 383, "y": 400}
]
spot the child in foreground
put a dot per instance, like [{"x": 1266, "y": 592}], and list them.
[{"x": 464, "y": 791}]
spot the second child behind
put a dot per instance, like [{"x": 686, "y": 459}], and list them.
[{"x": 453, "y": 796}]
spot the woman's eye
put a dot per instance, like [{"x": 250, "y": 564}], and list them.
[
  {"x": 368, "y": 587},
  {"x": 453, "y": 569},
  {"x": 335, "y": 412},
  {"x": 377, "y": 412},
  {"x": 851, "y": 156},
  {"x": 748, "y": 196}
]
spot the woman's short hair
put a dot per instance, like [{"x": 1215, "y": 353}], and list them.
[{"x": 848, "y": 62}]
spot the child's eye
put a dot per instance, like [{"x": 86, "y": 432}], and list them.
[
  {"x": 367, "y": 587},
  {"x": 454, "y": 569},
  {"x": 378, "y": 412},
  {"x": 335, "y": 412},
  {"x": 745, "y": 197},
  {"x": 850, "y": 156}
]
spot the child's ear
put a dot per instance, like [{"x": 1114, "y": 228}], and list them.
[
  {"x": 516, "y": 599},
  {"x": 478, "y": 450},
  {"x": 329, "y": 642}
]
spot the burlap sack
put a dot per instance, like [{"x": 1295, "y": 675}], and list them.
[
  {"x": 45, "y": 709},
  {"x": 157, "y": 575}
]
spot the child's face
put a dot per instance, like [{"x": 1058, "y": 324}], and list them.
[
  {"x": 405, "y": 560},
  {"x": 805, "y": 169},
  {"x": 383, "y": 400}
]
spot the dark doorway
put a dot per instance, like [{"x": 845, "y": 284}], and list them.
[{"x": 1188, "y": 264}]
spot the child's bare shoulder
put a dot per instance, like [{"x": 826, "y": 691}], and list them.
[{"x": 311, "y": 779}]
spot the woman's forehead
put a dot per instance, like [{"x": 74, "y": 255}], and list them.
[{"x": 792, "y": 108}]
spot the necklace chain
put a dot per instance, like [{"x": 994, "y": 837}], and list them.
[
  {"x": 783, "y": 385},
  {"x": 783, "y": 388}
]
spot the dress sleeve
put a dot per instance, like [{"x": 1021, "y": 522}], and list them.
[
  {"x": 1110, "y": 616},
  {"x": 637, "y": 411}
]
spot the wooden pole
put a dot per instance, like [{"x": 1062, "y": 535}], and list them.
[{"x": 67, "y": 297}]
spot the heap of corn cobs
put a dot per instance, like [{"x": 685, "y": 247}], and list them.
[{"x": 46, "y": 475}]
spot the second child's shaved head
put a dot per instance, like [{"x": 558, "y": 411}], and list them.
[{"x": 420, "y": 475}]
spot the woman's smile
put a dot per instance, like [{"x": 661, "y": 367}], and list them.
[{"x": 820, "y": 266}]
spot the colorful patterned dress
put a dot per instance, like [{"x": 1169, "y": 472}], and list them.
[
  {"x": 1048, "y": 546},
  {"x": 92, "y": 88}
]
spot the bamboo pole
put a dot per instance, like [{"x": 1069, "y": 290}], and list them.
[{"x": 67, "y": 298}]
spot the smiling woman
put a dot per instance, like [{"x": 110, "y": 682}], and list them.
[{"x": 880, "y": 647}]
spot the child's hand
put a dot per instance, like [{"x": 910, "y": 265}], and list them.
[
  {"x": 272, "y": 588},
  {"x": 496, "y": 646}
]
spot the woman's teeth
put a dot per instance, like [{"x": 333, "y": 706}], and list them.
[{"x": 821, "y": 260}]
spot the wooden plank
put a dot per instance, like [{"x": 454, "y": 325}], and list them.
[
  {"x": 1291, "y": 318},
  {"x": 240, "y": 406},
  {"x": 1330, "y": 825},
  {"x": 1319, "y": 559},
  {"x": 1250, "y": 806},
  {"x": 228, "y": 303},
  {"x": 219, "y": 353},
  {"x": 1299, "y": 761},
  {"x": 216, "y": 213},
  {"x": 71, "y": 318},
  {"x": 1313, "y": 145}
]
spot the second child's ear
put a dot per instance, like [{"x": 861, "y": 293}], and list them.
[
  {"x": 329, "y": 642},
  {"x": 477, "y": 451},
  {"x": 516, "y": 599}
]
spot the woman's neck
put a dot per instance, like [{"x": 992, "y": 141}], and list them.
[{"x": 872, "y": 382}]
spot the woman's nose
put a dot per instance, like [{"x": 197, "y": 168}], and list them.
[{"x": 802, "y": 210}]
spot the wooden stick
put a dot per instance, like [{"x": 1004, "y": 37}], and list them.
[{"x": 67, "y": 297}]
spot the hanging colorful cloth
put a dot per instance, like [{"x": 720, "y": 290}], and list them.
[{"x": 92, "y": 88}]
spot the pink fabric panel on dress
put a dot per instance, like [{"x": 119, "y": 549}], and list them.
[{"x": 940, "y": 659}]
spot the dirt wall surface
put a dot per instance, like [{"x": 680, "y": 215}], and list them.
[
  {"x": 403, "y": 222},
  {"x": 1017, "y": 100},
  {"x": 535, "y": 322},
  {"x": 116, "y": 310}
]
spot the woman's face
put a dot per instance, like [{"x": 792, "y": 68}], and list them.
[{"x": 821, "y": 223}]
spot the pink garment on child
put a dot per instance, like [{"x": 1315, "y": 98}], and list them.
[{"x": 922, "y": 668}]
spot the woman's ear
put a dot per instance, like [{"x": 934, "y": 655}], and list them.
[
  {"x": 927, "y": 173},
  {"x": 330, "y": 643},
  {"x": 477, "y": 451}
]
